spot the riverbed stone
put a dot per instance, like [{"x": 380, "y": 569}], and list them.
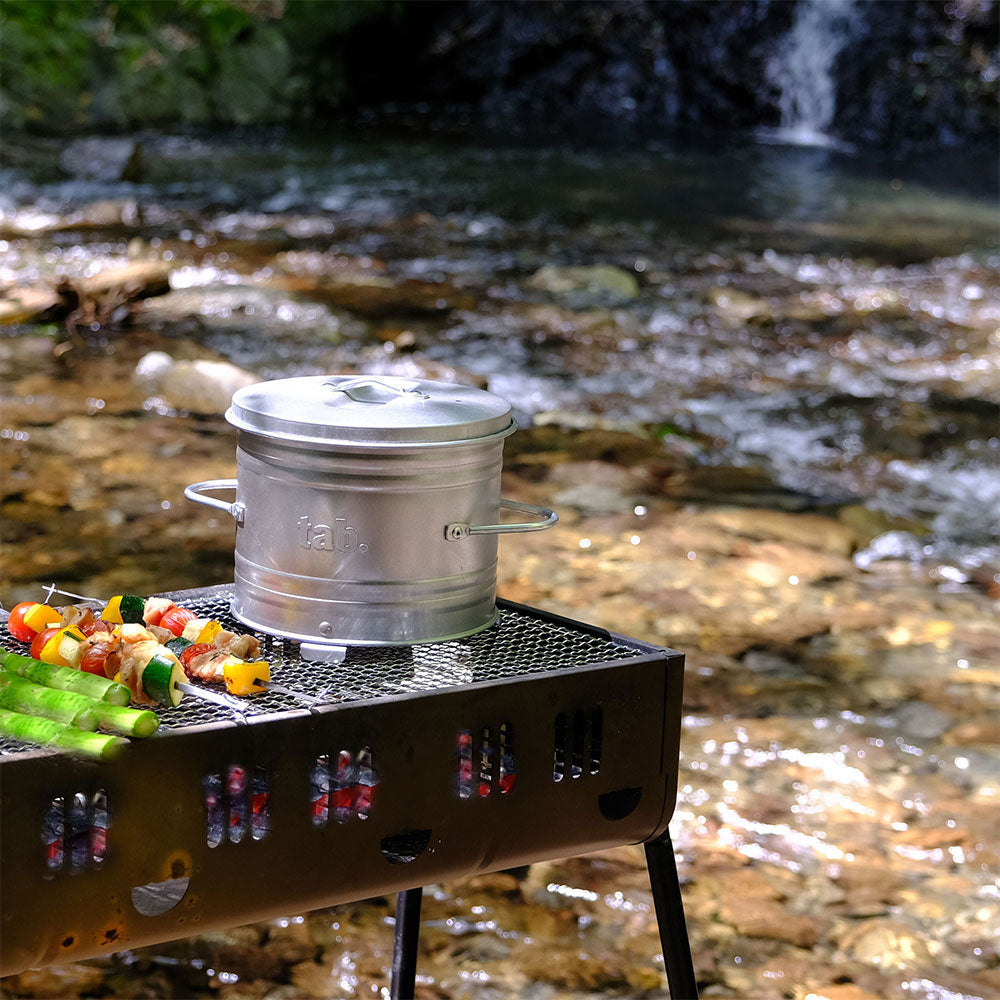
[
  {"x": 766, "y": 918},
  {"x": 585, "y": 283}
]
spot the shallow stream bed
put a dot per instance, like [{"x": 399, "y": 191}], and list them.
[{"x": 759, "y": 385}]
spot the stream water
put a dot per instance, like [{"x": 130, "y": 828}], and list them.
[{"x": 760, "y": 384}]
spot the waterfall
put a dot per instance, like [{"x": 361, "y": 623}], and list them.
[{"x": 802, "y": 70}]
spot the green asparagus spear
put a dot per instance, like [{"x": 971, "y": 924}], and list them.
[
  {"x": 48, "y": 733},
  {"x": 66, "y": 678},
  {"x": 129, "y": 721},
  {"x": 18, "y": 695}
]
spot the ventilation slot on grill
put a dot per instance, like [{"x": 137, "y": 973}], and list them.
[
  {"x": 319, "y": 791},
  {"x": 464, "y": 746},
  {"x": 215, "y": 821},
  {"x": 75, "y": 831},
  {"x": 577, "y": 743},
  {"x": 508, "y": 765},
  {"x": 485, "y": 763},
  {"x": 53, "y": 834},
  {"x": 367, "y": 783},
  {"x": 346, "y": 788},
  {"x": 236, "y": 805},
  {"x": 239, "y": 805},
  {"x": 345, "y": 785},
  {"x": 260, "y": 804}
]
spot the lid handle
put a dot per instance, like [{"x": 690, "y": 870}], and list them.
[{"x": 352, "y": 386}]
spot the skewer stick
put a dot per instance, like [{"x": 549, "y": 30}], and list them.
[{"x": 225, "y": 700}]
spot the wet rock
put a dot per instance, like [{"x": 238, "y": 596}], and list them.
[
  {"x": 103, "y": 158},
  {"x": 918, "y": 720},
  {"x": 801, "y": 529},
  {"x": 56, "y": 981},
  {"x": 765, "y": 918},
  {"x": 841, "y": 991},
  {"x": 18, "y": 305},
  {"x": 202, "y": 386},
  {"x": 590, "y": 284},
  {"x": 887, "y": 944},
  {"x": 736, "y": 307}
]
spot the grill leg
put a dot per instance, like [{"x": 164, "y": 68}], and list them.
[
  {"x": 670, "y": 918},
  {"x": 404, "y": 946}
]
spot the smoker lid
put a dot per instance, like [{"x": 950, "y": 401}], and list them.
[{"x": 368, "y": 410}]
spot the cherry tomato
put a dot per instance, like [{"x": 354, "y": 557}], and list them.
[
  {"x": 15, "y": 624},
  {"x": 195, "y": 649},
  {"x": 174, "y": 619},
  {"x": 93, "y": 659},
  {"x": 38, "y": 643}
]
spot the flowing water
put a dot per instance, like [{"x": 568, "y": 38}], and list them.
[{"x": 760, "y": 384}]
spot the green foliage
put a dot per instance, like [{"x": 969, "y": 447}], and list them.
[{"x": 71, "y": 64}]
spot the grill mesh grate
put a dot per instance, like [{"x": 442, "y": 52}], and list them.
[{"x": 519, "y": 644}]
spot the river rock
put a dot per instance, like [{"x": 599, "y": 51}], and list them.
[
  {"x": 766, "y": 918},
  {"x": 594, "y": 283},
  {"x": 59, "y": 982},
  {"x": 103, "y": 158},
  {"x": 887, "y": 944},
  {"x": 202, "y": 386},
  {"x": 918, "y": 720}
]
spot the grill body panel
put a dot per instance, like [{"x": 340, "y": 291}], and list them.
[{"x": 540, "y": 738}]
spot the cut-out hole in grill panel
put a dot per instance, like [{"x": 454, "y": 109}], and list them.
[
  {"x": 54, "y": 834},
  {"x": 319, "y": 791},
  {"x": 508, "y": 763},
  {"x": 100, "y": 822},
  {"x": 620, "y": 803},
  {"x": 559, "y": 749},
  {"x": 345, "y": 786},
  {"x": 485, "y": 763},
  {"x": 403, "y": 848},
  {"x": 464, "y": 755},
  {"x": 368, "y": 781},
  {"x": 260, "y": 803},
  {"x": 215, "y": 811},
  {"x": 578, "y": 743},
  {"x": 75, "y": 831}
]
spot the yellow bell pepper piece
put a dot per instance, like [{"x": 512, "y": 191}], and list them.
[
  {"x": 113, "y": 610},
  {"x": 41, "y": 616},
  {"x": 63, "y": 649},
  {"x": 242, "y": 676}
]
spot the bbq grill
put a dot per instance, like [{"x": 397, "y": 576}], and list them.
[{"x": 372, "y": 770}]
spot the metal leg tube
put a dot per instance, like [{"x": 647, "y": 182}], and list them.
[
  {"x": 670, "y": 918},
  {"x": 404, "y": 946}
]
